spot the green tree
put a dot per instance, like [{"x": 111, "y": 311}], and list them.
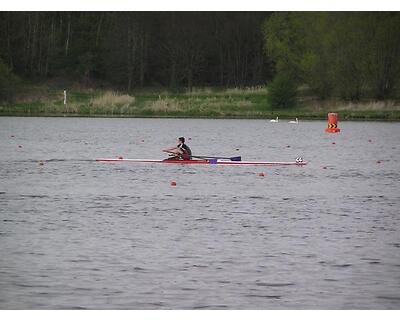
[
  {"x": 8, "y": 83},
  {"x": 316, "y": 61},
  {"x": 284, "y": 42},
  {"x": 351, "y": 55},
  {"x": 383, "y": 39}
]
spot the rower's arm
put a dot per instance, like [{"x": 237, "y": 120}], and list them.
[{"x": 173, "y": 150}]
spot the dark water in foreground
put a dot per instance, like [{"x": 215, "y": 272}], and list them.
[{"x": 79, "y": 234}]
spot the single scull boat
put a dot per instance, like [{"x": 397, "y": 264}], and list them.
[{"x": 207, "y": 161}]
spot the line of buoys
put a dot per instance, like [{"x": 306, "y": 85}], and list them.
[{"x": 332, "y": 123}]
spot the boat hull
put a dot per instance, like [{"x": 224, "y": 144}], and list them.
[{"x": 212, "y": 161}]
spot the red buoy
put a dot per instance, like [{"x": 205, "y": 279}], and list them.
[
  {"x": 333, "y": 142},
  {"x": 120, "y": 157},
  {"x": 261, "y": 174},
  {"x": 332, "y": 123},
  {"x": 378, "y": 161},
  {"x": 173, "y": 183}
]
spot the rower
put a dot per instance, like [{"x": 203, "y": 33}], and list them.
[{"x": 181, "y": 151}]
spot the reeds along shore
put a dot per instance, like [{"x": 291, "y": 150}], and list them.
[{"x": 200, "y": 102}]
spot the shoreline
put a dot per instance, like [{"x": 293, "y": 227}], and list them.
[
  {"x": 234, "y": 103},
  {"x": 266, "y": 118}
]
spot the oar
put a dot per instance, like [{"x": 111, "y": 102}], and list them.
[{"x": 236, "y": 158}]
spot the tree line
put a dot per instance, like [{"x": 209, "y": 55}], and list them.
[
  {"x": 137, "y": 49},
  {"x": 347, "y": 55}
]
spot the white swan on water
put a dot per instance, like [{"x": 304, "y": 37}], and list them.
[
  {"x": 274, "y": 120},
  {"x": 296, "y": 121}
]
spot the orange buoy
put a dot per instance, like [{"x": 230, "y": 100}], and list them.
[
  {"x": 173, "y": 183},
  {"x": 261, "y": 174},
  {"x": 332, "y": 123}
]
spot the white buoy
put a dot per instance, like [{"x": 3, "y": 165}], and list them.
[{"x": 274, "y": 120}]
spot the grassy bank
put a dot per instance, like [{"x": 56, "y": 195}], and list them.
[{"x": 198, "y": 103}]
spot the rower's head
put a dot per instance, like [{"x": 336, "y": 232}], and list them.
[{"x": 181, "y": 140}]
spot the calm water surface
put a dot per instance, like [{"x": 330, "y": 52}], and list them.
[{"x": 75, "y": 233}]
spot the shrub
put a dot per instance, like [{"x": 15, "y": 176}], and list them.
[
  {"x": 112, "y": 99},
  {"x": 282, "y": 92}
]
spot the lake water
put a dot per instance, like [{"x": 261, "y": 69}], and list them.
[{"x": 78, "y": 234}]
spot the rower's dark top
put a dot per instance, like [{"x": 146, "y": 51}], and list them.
[{"x": 187, "y": 153}]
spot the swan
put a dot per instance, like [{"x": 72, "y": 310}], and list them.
[
  {"x": 274, "y": 120},
  {"x": 297, "y": 121}
]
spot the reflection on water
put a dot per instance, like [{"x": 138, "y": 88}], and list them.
[{"x": 76, "y": 234}]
